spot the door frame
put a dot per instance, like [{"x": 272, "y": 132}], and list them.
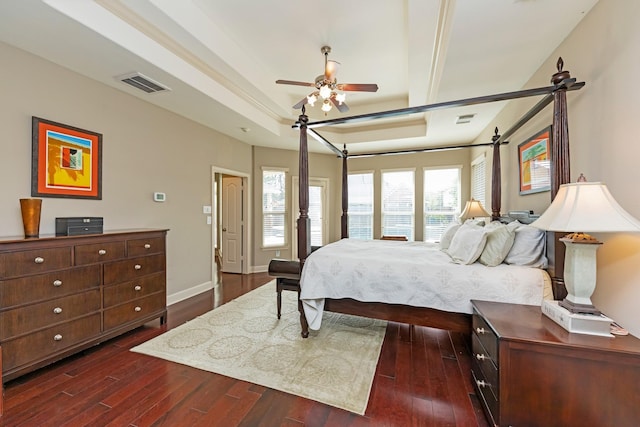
[{"x": 216, "y": 223}]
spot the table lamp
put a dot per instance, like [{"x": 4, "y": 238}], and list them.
[
  {"x": 579, "y": 208},
  {"x": 473, "y": 209}
]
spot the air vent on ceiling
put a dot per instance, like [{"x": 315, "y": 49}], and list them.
[
  {"x": 142, "y": 82},
  {"x": 464, "y": 118}
]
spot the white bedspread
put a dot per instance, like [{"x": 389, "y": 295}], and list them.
[{"x": 410, "y": 273}]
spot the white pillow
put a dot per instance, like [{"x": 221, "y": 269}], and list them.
[
  {"x": 500, "y": 239},
  {"x": 528, "y": 247},
  {"x": 467, "y": 244},
  {"x": 447, "y": 235}
]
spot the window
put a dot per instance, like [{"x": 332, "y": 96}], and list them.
[
  {"x": 441, "y": 201},
  {"x": 398, "y": 195},
  {"x": 318, "y": 211},
  {"x": 273, "y": 208},
  {"x": 360, "y": 207},
  {"x": 478, "y": 179}
]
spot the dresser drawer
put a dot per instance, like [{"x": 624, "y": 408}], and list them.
[
  {"x": 29, "y": 318},
  {"x": 127, "y": 291},
  {"x": 98, "y": 252},
  {"x": 130, "y": 269},
  {"x": 486, "y": 394},
  {"x": 31, "y": 289},
  {"x": 45, "y": 343},
  {"x": 139, "y": 247},
  {"x": 486, "y": 336},
  {"x": 488, "y": 370},
  {"x": 133, "y": 310},
  {"x": 34, "y": 261}
]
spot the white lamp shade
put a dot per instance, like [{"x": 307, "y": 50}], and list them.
[
  {"x": 586, "y": 207},
  {"x": 473, "y": 209}
]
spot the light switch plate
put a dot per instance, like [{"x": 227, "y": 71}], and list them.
[
  {"x": 159, "y": 197},
  {"x": 206, "y": 209}
]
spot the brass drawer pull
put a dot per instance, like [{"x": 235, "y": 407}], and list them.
[
  {"x": 147, "y": 246},
  {"x": 138, "y": 308},
  {"x": 480, "y": 356},
  {"x": 481, "y": 331},
  {"x": 57, "y": 283},
  {"x": 482, "y": 383},
  {"x": 137, "y": 288},
  {"x": 137, "y": 267},
  {"x": 38, "y": 260},
  {"x": 102, "y": 252},
  {"x": 57, "y": 310},
  {"x": 57, "y": 337}
]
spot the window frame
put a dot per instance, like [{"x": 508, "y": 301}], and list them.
[
  {"x": 373, "y": 201},
  {"x": 412, "y": 235},
  {"x": 425, "y": 212},
  {"x": 284, "y": 213}
]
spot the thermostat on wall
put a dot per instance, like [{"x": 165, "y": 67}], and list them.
[{"x": 159, "y": 197}]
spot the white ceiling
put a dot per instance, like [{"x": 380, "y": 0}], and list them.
[{"x": 221, "y": 58}]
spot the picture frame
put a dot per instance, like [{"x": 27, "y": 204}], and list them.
[
  {"x": 66, "y": 161},
  {"x": 534, "y": 163}
]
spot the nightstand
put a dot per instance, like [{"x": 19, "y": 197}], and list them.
[{"x": 529, "y": 371}]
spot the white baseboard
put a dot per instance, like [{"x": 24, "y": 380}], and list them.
[
  {"x": 188, "y": 293},
  {"x": 259, "y": 268}
]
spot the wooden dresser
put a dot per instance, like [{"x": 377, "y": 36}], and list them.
[
  {"x": 60, "y": 295},
  {"x": 529, "y": 371}
]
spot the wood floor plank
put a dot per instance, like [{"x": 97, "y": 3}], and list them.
[
  {"x": 422, "y": 379},
  {"x": 442, "y": 411},
  {"x": 307, "y": 412},
  {"x": 143, "y": 399},
  {"x": 158, "y": 410}
]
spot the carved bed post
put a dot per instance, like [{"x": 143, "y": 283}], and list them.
[
  {"x": 560, "y": 174},
  {"x": 304, "y": 239},
  {"x": 344, "y": 219},
  {"x": 304, "y": 231},
  {"x": 496, "y": 178},
  {"x": 560, "y": 171}
]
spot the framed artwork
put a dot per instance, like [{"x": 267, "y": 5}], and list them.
[
  {"x": 534, "y": 162},
  {"x": 65, "y": 161}
]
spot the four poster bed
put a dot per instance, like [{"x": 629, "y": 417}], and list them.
[{"x": 454, "y": 318}]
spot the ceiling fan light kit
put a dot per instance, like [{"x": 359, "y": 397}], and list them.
[{"x": 326, "y": 86}]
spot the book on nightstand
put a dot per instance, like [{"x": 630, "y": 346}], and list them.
[{"x": 589, "y": 324}]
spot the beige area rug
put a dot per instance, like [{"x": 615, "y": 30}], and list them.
[{"x": 244, "y": 339}]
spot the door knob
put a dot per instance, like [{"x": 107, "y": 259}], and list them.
[{"x": 224, "y": 229}]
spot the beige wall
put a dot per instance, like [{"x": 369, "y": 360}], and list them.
[
  {"x": 145, "y": 149},
  {"x": 603, "y": 117}
]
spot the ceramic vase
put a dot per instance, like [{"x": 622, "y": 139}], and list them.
[{"x": 31, "y": 217}]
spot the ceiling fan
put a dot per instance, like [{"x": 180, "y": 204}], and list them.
[{"x": 326, "y": 85}]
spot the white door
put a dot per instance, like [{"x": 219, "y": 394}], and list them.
[
  {"x": 232, "y": 224},
  {"x": 318, "y": 212}
]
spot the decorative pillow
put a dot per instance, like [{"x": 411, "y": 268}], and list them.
[
  {"x": 499, "y": 241},
  {"x": 467, "y": 244},
  {"x": 447, "y": 235},
  {"x": 474, "y": 221},
  {"x": 528, "y": 247}
]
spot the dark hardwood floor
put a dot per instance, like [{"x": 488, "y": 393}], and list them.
[{"x": 422, "y": 379}]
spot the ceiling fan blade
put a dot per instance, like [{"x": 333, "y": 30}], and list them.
[
  {"x": 330, "y": 70},
  {"x": 295, "y": 83},
  {"x": 358, "y": 87},
  {"x": 300, "y": 104},
  {"x": 343, "y": 108}
]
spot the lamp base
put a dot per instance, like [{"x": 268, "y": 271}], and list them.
[{"x": 575, "y": 308}]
